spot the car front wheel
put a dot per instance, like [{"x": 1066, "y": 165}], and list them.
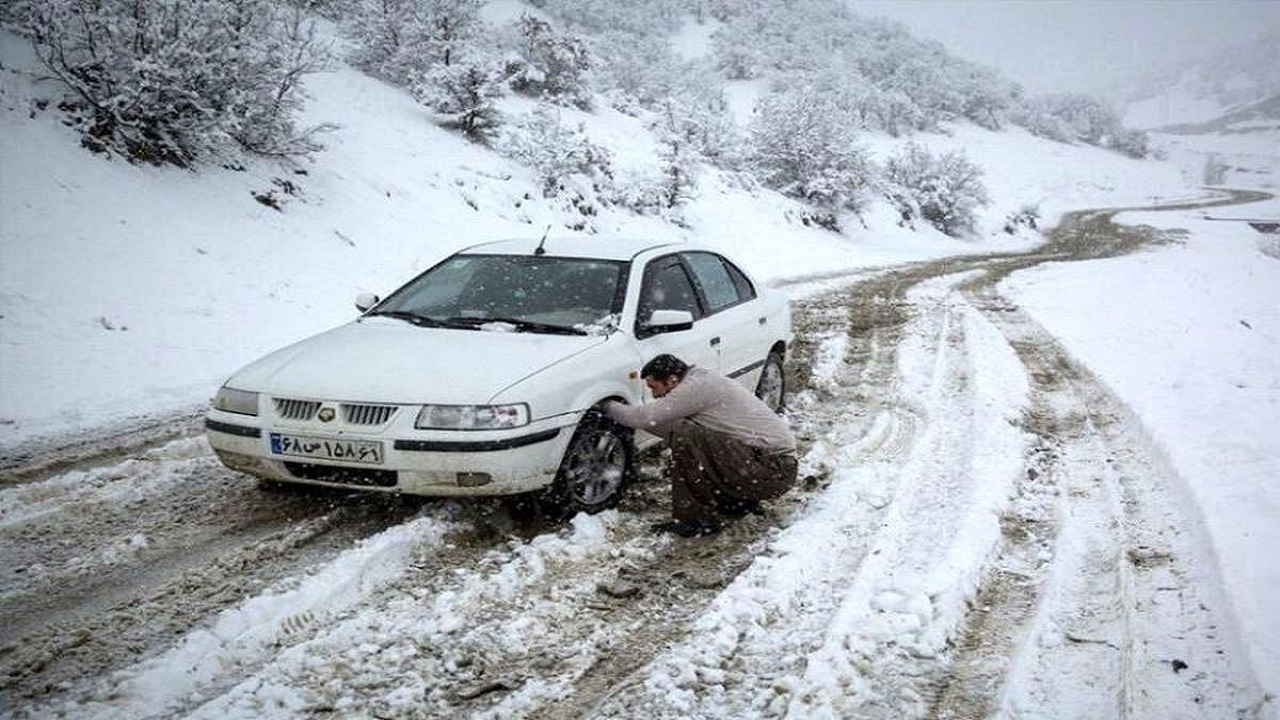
[
  {"x": 771, "y": 388},
  {"x": 596, "y": 466}
]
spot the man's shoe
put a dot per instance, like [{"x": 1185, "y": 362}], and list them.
[
  {"x": 739, "y": 507},
  {"x": 687, "y": 528}
]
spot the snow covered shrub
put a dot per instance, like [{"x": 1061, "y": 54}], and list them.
[
  {"x": 708, "y": 121},
  {"x": 550, "y": 66},
  {"x": 641, "y": 193},
  {"x": 985, "y": 97},
  {"x": 331, "y": 9},
  {"x": 802, "y": 145},
  {"x": 655, "y": 18},
  {"x": 637, "y": 73},
  {"x": 1134, "y": 143},
  {"x": 1088, "y": 119},
  {"x": 638, "y": 70},
  {"x": 1069, "y": 117},
  {"x": 888, "y": 110},
  {"x": 738, "y": 52},
  {"x": 678, "y": 151},
  {"x": 399, "y": 40},
  {"x": 825, "y": 220},
  {"x": 464, "y": 97},
  {"x": 382, "y": 35},
  {"x": 561, "y": 156},
  {"x": 1037, "y": 117},
  {"x": 175, "y": 81},
  {"x": 943, "y": 190},
  {"x": 1027, "y": 216},
  {"x": 658, "y": 18},
  {"x": 430, "y": 48}
]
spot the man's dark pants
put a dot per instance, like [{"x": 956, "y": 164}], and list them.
[{"x": 709, "y": 468}]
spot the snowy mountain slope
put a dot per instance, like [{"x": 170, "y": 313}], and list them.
[
  {"x": 1217, "y": 83},
  {"x": 1253, "y": 117},
  {"x": 104, "y": 261}
]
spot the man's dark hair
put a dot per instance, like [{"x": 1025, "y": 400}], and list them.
[{"x": 664, "y": 367}]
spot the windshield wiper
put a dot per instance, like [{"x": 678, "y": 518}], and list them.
[
  {"x": 518, "y": 324},
  {"x": 412, "y": 317}
]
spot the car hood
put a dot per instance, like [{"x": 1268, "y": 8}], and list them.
[{"x": 382, "y": 360}]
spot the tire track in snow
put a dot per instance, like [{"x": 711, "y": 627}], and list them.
[
  {"x": 252, "y": 636},
  {"x": 1097, "y": 562},
  {"x": 499, "y": 635},
  {"x": 44, "y": 457},
  {"x": 112, "y": 563},
  {"x": 241, "y": 636},
  {"x": 744, "y": 654},
  {"x": 1113, "y": 624},
  {"x": 1028, "y": 516},
  {"x": 898, "y": 610}
]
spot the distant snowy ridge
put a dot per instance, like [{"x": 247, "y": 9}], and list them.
[
  {"x": 1220, "y": 83},
  {"x": 1253, "y": 117}
]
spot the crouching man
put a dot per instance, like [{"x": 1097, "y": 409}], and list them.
[{"x": 729, "y": 450}]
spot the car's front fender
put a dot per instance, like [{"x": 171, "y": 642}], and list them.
[{"x": 573, "y": 386}]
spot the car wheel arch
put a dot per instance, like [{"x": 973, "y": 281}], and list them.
[
  {"x": 599, "y": 462},
  {"x": 771, "y": 386}
]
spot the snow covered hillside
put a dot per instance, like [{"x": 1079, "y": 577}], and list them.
[
  {"x": 1221, "y": 81},
  {"x": 106, "y": 261}
]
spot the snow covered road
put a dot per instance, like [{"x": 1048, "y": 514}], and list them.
[{"x": 984, "y": 530}]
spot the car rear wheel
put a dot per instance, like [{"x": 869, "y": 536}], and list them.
[
  {"x": 771, "y": 388},
  {"x": 597, "y": 465}
]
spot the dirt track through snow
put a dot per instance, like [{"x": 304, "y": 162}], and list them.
[{"x": 983, "y": 529}]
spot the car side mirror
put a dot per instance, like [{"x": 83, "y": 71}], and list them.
[
  {"x": 364, "y": 301},
  {"x": 665, "y": 321}
]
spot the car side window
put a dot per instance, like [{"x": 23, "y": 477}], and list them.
[
  {"x": 746, "y": 291},
  {"x": 666, "y": 286},
  {"x": 722, "y": 284}
]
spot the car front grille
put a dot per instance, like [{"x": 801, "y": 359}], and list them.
[
  {"x": 296, "y": 409},
  {"x": 368, "y": 414},
  {"x": 352, "y": 413}
]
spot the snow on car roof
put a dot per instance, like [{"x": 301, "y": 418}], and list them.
[{"x": 606, "y": 248}]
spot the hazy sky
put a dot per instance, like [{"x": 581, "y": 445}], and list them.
[{"x": 1050, "y": 45}]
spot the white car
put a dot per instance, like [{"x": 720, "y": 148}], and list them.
[{"x": 480, "y": 376}]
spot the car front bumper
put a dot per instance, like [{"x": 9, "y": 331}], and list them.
[{"x": 433, "y": 463}]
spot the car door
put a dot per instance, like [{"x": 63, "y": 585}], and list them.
[
  {"x": 735, "y": 320},
  {"x": 667, "y": 285}
]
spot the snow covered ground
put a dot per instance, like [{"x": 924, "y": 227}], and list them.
[
  {"x": 128, "y": 293},
  {"x": 1187, "y": 336}
]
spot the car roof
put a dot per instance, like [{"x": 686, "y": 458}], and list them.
[{"x": 605, "y": 248}]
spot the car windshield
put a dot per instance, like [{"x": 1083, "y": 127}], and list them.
[{"x": 513, "y": 293}]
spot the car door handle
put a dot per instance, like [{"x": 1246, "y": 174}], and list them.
[
  {"x": 715, "y": 341},
  {"x": 763, "y": 321}
]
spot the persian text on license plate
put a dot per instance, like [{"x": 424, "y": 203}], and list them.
[{"x": 359, "y": 451}]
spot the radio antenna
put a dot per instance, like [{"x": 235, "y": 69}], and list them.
[{"x": 541, "y": 250}]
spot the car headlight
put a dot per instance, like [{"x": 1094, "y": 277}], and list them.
[
  {"x": 472, "y": 417},
  {"x": 241, "y": 402}
]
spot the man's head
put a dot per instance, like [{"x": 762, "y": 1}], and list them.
[{"x": 663, "y": 373}]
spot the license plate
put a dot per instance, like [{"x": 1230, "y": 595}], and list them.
[{"x": 358, "y": 451}]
